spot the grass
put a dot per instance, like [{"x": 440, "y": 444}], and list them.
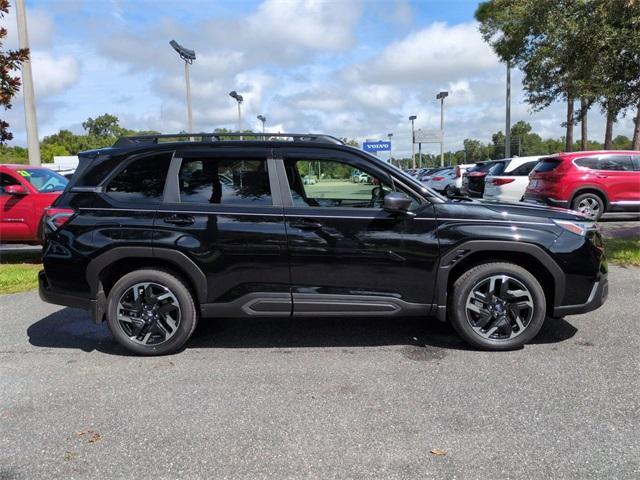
[
  {"x": 19, "y": 271},
  {"x": 623, "y": 251}
]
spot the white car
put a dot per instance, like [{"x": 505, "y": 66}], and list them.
[
  {"x": 442, "y": 180},
  {"x": 508, "y": 180},
  {"x": 459, "y": 171}
]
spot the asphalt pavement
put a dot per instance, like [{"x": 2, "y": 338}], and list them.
[{"x": 321, "y": 398}]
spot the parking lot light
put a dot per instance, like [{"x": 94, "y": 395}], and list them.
[
  {"x": 188, "y": 56},
  {"x": 239, "y": 99},
  {"x": 263, "y": 119},
  {"x": 441, "y": 96}
]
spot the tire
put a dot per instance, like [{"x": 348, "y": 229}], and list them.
[
  {"x": 522, "y": 298},
  {"x": 590, "y": 204},
  {"x": 449, "y": 191},
  {"x": 160, "y": 321}
]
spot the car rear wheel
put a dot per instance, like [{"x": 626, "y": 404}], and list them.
[
  {"x": 449, "y": 191},
  {"x": 589, "y": 204},
  {"x": 497, "y": 306},
  {"x": 151, "y": 312}
]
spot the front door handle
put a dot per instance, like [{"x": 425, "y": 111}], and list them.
[
  {"x": 180, "y": 220},
  {"x": 306, "y": 224}
]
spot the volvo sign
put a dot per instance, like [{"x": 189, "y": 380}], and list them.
[{"x": 379, "y": 146}]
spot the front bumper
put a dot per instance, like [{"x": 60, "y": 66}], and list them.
[
  {"x": 597, "y": 297},
  {"x": 95, "y": 307}
]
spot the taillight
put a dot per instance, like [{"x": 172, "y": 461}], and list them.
[
  {"x": 55, "y": 218},
  {"x": 501, "y": 181},
  {"x": 437, "y": 179}
]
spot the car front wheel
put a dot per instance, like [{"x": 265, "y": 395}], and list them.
[
  {"x": 497, "y": 306},
  {"x": 151, "y": 312}
]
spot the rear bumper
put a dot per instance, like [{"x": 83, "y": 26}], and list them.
[
  {"x": 528, "y": 198},
  {"x": 597, "y": 297},
  {"x": 95, "y": 307}
]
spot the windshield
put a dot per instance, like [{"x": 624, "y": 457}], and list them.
[{"x": 44, "y": 180}]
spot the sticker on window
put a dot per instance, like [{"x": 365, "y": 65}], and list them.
[{"x": 24, "y": 173}]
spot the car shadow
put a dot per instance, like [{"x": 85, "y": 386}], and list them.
[{"x": 71, "y": 328}]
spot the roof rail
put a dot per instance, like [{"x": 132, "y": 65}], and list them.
[{"x": 218, "y": 137}]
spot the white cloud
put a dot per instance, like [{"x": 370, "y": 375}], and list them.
[
  {"x": 39, "y": 24},
  {"x": 53, "y": 75},
  {"x": 308, "y": 24},
  {"x": 436, "y": 53}
]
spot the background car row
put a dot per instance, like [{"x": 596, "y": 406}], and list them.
[{"x": 592, "y": 182}]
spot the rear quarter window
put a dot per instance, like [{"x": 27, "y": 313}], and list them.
[
  {"x": 142, "y": 180},
  {"x": 547, "y": 164},
  {"x": 498, "y": 168},
  {"x": 524, "y": 169}
]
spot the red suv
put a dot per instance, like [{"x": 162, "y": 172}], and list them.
[
  {"x": 25, "y": 193},
  {"x": 592, "y": 183}
]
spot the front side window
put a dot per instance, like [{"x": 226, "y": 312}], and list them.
[
  {"x": 330, "y": 183},
  {"x": 142, "y": 180},
  {"x": 225, "y": 181},
  {"x": 6, "y": 181}
]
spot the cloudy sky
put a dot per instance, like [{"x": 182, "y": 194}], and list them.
[{"x": 350, "y": 68}]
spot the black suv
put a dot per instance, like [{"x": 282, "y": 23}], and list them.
[{"x": 158, "y": 231}]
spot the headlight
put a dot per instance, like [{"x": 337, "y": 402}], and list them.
[{"x": 579, "y": 228}]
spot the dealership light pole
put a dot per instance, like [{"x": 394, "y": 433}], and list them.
[
  {"x": 188, "y": 56},
  {"x": 33, "y": 143},
  {"x": 263, "y": 119},
  {"x": 239, "y": 99},
  {"x": 389, "y": 135},
  {"x": 441, "y": 96},
  {"x": 413, "y": 141}
]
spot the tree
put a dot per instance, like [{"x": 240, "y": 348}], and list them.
[
  {"x": 568, "y": 50},
  {"x": 474, "y": 151},
  {"x": 10, "y": 61},
  {"x": 533, "y": 35},
  {"x": 48, "y": 151},
  {"x": 106, "y": 125}
]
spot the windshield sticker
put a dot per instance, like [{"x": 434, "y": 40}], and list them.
[{"x": 24, "y": 173}]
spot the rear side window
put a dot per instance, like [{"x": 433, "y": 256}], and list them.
[
  {"x": 547, "y": 164},
  {"x": 225, "y": 181},
  {"x": 142, "y": 180},
  {"x": 524, "y": 169},
  {"x": 616, "y": 162}
]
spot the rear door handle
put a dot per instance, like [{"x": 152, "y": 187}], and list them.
[
  {"x": 306, "y": 224},
  {"x": 181, "y": 220}
]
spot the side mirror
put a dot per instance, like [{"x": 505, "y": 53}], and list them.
[
  {"x": 397, "y": 202},
  {"x": 16, "y": 190}
]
